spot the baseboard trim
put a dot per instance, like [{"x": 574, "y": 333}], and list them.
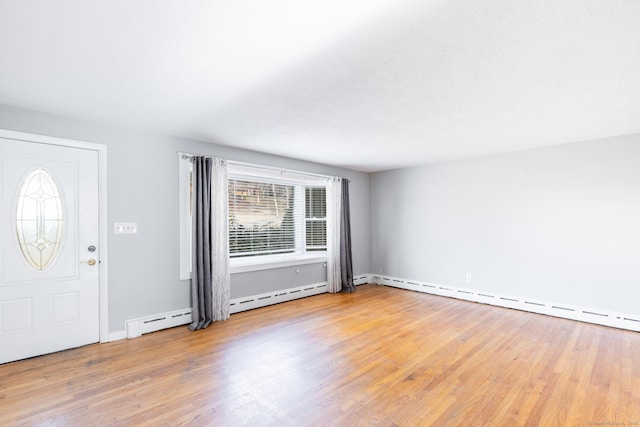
[
  {"x": 116, "y": 336},
  {"x": 584, "y": 314},
  {"x": 362, "y": 279},
  {"x": 262, "y": 300},
  {"x": 144, "y": 325}
]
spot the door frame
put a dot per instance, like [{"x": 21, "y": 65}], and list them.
[{"x": 101, "y": 150}]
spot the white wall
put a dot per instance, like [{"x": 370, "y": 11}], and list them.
[
  {"x": 143, "y": 188},
  {"x": 559, "y": 224}
]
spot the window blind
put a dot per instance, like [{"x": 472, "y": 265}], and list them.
[
  {"x": 315, "y": 219},
  {"x": 262, "y": 218},
  {"x": 275, "y": 212}
]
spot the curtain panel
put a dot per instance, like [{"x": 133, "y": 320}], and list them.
[
  {"x": 334, "y": 202},
  {"x": 339, "y": 256},
  {"x": 346, "y": 262},
  {"x": 210, "y": 279}
]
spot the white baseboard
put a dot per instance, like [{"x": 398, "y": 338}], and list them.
[
  {"x": 362, "y": 279},
  {"x": 584, "y": 314},
  {"x": 144, "y": 325},
  {"x": 116, "y": 336},
  {"x": 275, "y": 297}
]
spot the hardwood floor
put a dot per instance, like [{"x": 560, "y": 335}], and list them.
[{"x": 381, "y": 356}]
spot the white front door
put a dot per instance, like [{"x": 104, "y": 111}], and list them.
[{"x": 49, "y": 248}]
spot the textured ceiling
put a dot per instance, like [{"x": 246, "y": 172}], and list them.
[{"x": 364, "y": 84}]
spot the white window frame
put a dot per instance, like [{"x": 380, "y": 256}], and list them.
[
  {"x": 286, "y": 177},
  {"x": 249, "y": 172},
  {"x": 316, "y": 219},
  {"x": 184, "y": 179}
]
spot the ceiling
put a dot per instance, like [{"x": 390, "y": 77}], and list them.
[{"x": 363, "y": 84}]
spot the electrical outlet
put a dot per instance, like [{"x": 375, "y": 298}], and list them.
[
  {"x": 468, "y": 277},
  {"x": 125, "y": 228}
]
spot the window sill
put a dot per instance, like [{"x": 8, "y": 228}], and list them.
[{"x": 243, "y": 265}]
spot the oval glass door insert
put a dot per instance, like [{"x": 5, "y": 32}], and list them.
[{"x": 39, "y": 219}]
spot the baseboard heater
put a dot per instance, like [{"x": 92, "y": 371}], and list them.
[
  {"x": 583, "y": 314},
  {"x": 263, "y": 300},
  {"x": 144, "y": 325}
]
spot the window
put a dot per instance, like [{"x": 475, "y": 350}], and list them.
[
  {"x": 273, "y": 212},
  {"x": 316, "y": 218},
  {"x": 39, "y": 219},
  {"x": 261, "y": 218},
  {"x": 274, "y": 216}
]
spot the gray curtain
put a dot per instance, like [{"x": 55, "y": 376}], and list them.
[
  {"x": 201, "y": 267},
  {"x": 346, "y": 263},
  {"x": 210, "y": 280}
]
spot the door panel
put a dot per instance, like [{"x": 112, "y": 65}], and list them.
[{"x": 49, "y": 292}]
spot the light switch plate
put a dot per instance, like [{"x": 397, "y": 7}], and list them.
[{"x": 125, "y": 228}]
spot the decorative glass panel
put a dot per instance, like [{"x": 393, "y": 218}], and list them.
[{"x": 39, "y": 219}]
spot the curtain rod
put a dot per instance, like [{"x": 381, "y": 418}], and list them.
[
  {"x": 185, "y": 156},
  {"x": 277, "y": 169}
]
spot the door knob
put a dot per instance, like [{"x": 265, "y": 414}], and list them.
[{"x": 91, "y": 261}]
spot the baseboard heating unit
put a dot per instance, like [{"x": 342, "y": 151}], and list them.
[
  {"x": 275, "y": 297},
  {"x": 144, "y": 325},
  {"x": 590, "y": 315}
]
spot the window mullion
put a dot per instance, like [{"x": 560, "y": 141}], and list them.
[{"x": 300, "y": 219}]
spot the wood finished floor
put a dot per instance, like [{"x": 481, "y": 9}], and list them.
[{"x": 381, "y": 357}]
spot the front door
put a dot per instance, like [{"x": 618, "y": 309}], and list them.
[{"x": 49, "y": 248}]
